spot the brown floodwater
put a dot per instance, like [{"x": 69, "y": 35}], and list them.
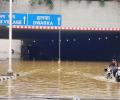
[{"x": 69, "y": 78}]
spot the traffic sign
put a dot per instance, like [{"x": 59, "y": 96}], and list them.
[
  {"x": 21, "y": 19},
  {"x": 44, "y": 20},
  {"x": 17, "y": 19}
]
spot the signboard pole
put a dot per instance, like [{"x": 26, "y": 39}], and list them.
[
  {"x": 59, "y": 60},
  {"x": 10, "y": 71}
]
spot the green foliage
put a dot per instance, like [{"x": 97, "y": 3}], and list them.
[
  {"x": 32, "y": 2},
  {"x": 49, "y": 3},
  {"x": 7, "y": 0},
  {"x": 102, "y": 2},
  {"x": 39, "y": 2}
]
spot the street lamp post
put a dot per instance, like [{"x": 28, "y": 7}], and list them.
[{"x": 10, "y": 71}]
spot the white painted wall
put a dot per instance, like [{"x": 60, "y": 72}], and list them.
[
  {"x": 4, "y": 45},
  {"x": 81, "y": 14}
]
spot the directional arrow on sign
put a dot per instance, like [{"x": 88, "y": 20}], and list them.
[
  {"x": 59, "y": 21},
  {"x": 24, "y": 20}
]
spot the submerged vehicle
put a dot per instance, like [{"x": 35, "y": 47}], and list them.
[
  {"x": 117, "y": 76},
  {"x": 108, "y": 72},
  {"x": 113, "y": 72}
]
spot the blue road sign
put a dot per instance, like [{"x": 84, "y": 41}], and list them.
[
  {"x": 31, "y": 19},
  {"x": 17, "y": 19},
  {"x": 44, "y": 20}
]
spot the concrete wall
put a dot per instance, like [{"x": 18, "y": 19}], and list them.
[
  {"x": 74, "y": 13},
  {"x": 4, "y": 45},
  {"x": 82, "y": 14}
]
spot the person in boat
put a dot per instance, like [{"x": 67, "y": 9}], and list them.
[{"x": 114, "y": 66}]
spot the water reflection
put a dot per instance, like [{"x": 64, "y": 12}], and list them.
[
  {"x": 9, "y": 88},
  {"x": 49, "y": 78}
]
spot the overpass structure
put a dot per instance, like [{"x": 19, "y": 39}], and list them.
[
  {"x": 88, "y": 31},
  {"x": 42, "y": 43}
]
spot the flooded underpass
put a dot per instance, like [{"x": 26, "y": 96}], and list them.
[{"x": 50, "y": 80}]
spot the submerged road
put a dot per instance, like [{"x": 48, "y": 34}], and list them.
[{"x": 48, "y": 80}]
